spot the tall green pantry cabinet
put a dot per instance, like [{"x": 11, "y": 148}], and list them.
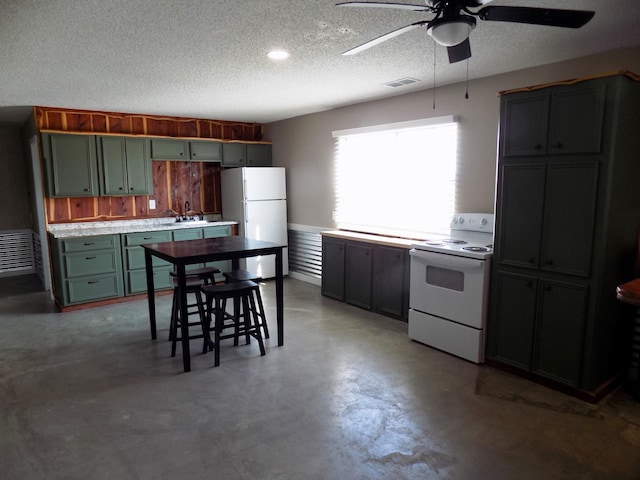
[{"x": 567, "y": 217}]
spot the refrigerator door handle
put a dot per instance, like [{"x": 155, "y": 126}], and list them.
[{"x": 246, "y": 212}]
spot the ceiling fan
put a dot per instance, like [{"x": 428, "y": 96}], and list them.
[{"x": 453, "y": 21}]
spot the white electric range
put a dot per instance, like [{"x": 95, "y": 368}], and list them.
[{"x": 449, "y": 287}]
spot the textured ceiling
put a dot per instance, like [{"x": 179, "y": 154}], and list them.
[{"x": 207, "y": 59}]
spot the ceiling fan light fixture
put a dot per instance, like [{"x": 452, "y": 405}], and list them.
[{"x": 451, "y": 31}]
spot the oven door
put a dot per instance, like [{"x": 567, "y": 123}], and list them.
[{"x": 450, "y": 287}]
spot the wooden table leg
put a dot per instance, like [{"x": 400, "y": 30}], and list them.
[
  {"x": 280, "y": 297},
  {"x": 150, "y": 293},
  {"x": 184, "y": 319}
]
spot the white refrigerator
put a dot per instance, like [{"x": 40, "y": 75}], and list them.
[{"x": 256, "y": 198}]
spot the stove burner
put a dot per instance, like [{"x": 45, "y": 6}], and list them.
[
  {"x": 489, "y": 246},
  {"x": 454, "y": 241},
  {"x": 476, "y": 249},
  {"x": 433, "y": 242}
]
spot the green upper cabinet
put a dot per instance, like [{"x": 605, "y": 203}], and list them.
[
  {"x": 246, "y": 155},
  {"x": 259, "y": 155},
  {"x": 201, "y": 151},
  {"x": 193, "y": 150},
  {"x": 125, "y": 166},
  {"x": 234, "y": 155},
  {"x": 70, "y": 165},
  {"x": 166, "y": 149}
]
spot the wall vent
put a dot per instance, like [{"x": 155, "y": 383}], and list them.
[
  {"x": 305, "y": 253},
  {"x": 401, "y": 82},
  {"x": 16, "y": 253}
]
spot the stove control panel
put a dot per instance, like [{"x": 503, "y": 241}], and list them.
[{"x": 473, "y": 222}]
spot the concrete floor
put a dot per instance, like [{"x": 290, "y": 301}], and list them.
[{"x": 88, "y": 395}]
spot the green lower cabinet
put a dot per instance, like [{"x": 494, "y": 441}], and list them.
[
  {"x": 214, "y": 232},
  {"x": 98, "y": 287},
  {"x": 135, "y": 279},
  {"x": 87, "y": 269},
  {"x": 189, "y": 234}
]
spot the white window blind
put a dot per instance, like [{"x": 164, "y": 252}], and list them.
[{"x": 397, "y": 179}]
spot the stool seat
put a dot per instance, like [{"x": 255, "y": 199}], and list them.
[
  {"x": 206, "y": 274},
  {"x": 244, "y": 318},
  {"x": 244, "y": 275},
  {"x": 241, "y": 275}
]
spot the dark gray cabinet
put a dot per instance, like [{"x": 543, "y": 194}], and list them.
[
  {"x": 358, "y": 274},
  {"x": 557, "y": 122},
  {"x": 369, "y": 275},
  {"x": 125, "y": 166},
  {"x": 333, "y": 268},
  {"x": 556, "y": 233},
  {"x": 391, "y": 285},
  {"x": 566, "y": 230},
  {"x": 71, "y": 169}
]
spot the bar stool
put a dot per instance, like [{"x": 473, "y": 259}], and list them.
[
  {"x": 205, "y": 275},
  {"x": 244, "y": 275},
  {"x": 193, "y": 286},
  {"x": 244, "y": 319}
]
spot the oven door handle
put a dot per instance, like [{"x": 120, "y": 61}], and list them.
[{"x": 444, "y": 260}]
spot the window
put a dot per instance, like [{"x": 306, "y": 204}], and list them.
[{"x": 397, "y": 179}]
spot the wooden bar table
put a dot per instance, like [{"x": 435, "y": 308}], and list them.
[
  {"x": 630, "y": 293},
  {"x": 187, "y": 252}
]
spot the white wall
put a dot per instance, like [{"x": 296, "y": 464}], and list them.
[{"x": 304, "y": 145}]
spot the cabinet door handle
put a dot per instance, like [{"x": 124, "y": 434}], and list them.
[
  {"x": 85, "y": 189},
  {"x": 528, "y": 284},
  {"x": 549, "y": 263},
  {"x": 120, "y": 188},
  {"x": 148, "y": 238},
  {"x": 557, "y": 145},
  {"x": 532, "y": 260},
  {"x": 89, "y": 258},
  {"x": 547, "y": 288},
  {"x": 86, "y": 244},
  {"x": 92, "y": 282},
  {"x": 537, "y": 146}
]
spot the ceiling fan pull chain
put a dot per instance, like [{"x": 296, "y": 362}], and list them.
[
  {"x": 466, "y": 87},
  {"x": 434, "y": 74}
]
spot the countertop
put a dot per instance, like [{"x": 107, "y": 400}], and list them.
[
  {"x": 370, "y": 238},
  {"x": 85, "y": 229},
  {"x": 629, "y": 292}
]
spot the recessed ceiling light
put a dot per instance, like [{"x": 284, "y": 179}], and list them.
[{"x": 278, "y": 54}]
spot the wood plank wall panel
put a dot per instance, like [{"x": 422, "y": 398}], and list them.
[{"x": 174, "y": 183}]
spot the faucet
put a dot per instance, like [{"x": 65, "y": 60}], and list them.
[{"x": 186, "y": 211}]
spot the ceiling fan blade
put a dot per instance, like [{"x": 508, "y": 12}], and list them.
[
  {"x": 537, "y": 16},
  {"x": 385, "y": 37},
  {"x": 401, "y": 6},
  {"x": 459, "y": 52},
  {"x": 475, "y": 3}
]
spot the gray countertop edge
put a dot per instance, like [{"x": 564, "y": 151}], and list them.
[
  {"x": 370, "y": 238},
  {"x": 87, "y": 230}
]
